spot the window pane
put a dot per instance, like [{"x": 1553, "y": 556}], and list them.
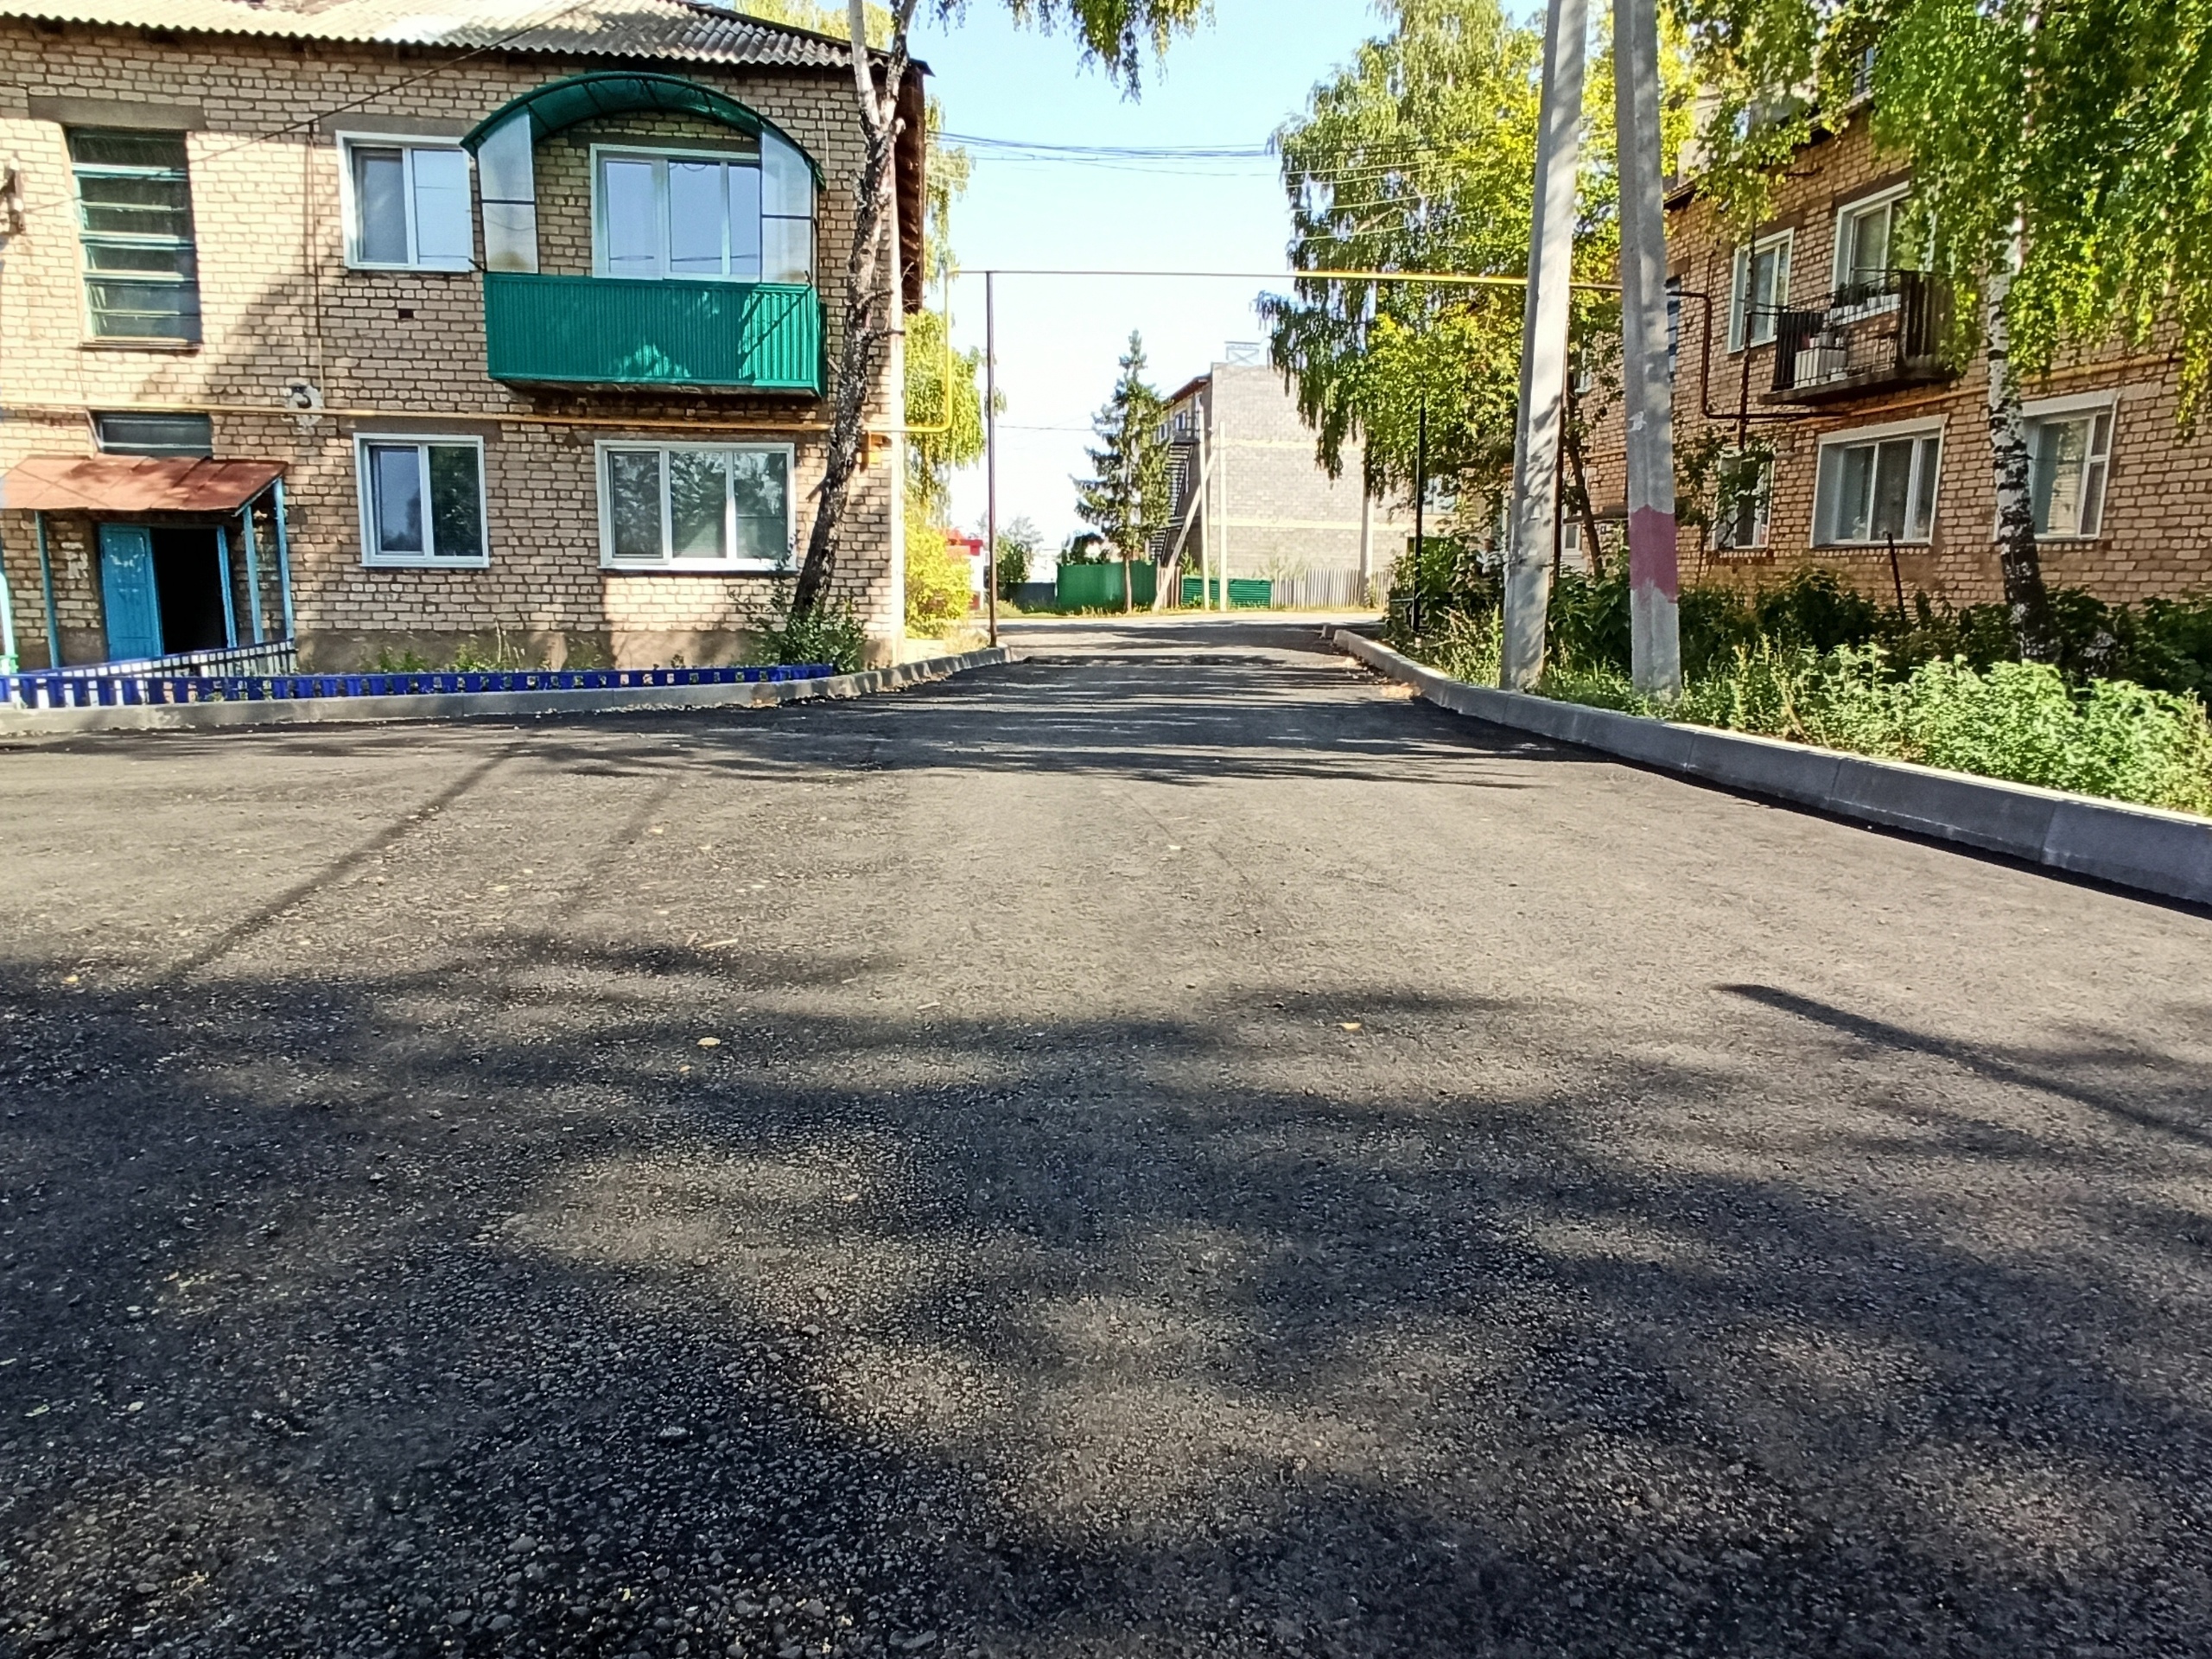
[
  {"x": 127, "y": 310},
  {"x": 2093, "y": 498},
  {"x": 396, "y": 497},
  {"x": 172, "y": 259},
  {"x": 632, "y": 218},
  {"x": 744, "y": 222},
  {"x": 1892, "y": 487},
  {"x": 697, "y": 214},
  {"x": 443, "y": 233},
  {"x": 379, "y": 177},
  {"x": 456, "y": 503},
  {"x": 787, "y": 250},
  {"x": 98, "y": 147},
  {"x": 133, "y": 433},
  {"x": 787, "y": 183},
  {"x": 1853, "y": 494},
  {"x": 1867, "y": 249},
  {"x": 761, "y": 486},
  {"x": 633, "y": 502},
  {"x": 134, "y": 204},
  {"x": 698, "y": 492},
  {"x": 1923, "y": 500}
]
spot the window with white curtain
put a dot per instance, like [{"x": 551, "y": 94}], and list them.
[
  {"x": 704, "y": 216},
  {"x": 1877, "y": 486},
  {"x": 408, "y": 205},
  {"x": 2070, "y": 454}
]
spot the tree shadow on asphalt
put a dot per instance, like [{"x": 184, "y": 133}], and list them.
[
  {"x": 1213, "y": 720},
  {"x": 538, "y": 1327}
]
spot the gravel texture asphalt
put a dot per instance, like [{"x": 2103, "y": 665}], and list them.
[{"x": 1169, "y": 1148}]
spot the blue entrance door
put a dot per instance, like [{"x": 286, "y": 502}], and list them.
[{"x": 133, "y": 609}]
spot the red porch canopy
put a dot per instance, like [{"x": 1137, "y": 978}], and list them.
[{"x": 119, "y": 485}]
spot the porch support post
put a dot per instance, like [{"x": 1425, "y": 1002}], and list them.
[
  {"x": 46, "y": 591},
  {"x": 252, "y": 576},
  {"x": 284, "y": 555},
  {"x": 230, "y": 608},
  {"x": 7, "y": 663}
]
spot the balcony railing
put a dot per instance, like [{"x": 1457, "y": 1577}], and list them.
[
  {"x": 601, "y": 331},
  {"x": 1874, "y": 335}
]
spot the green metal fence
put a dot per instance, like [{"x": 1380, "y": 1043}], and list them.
[{"x": 1098, "y": 587}]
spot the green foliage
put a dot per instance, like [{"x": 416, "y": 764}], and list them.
[
  {"x": 937, "y": 576},
  {"x": 1815, "y": 662},
  {"x": 498, "y": 655},
  {"x": 829, "y": 633},
  {"x": 2086, "y": 127},
  {"x": 1130, "y": 495},
  {"x": 1417, "y": 157},
  {"x": 1017, "y": 549}
]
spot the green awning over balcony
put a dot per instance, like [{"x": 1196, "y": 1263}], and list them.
[
  {"x": 560, "y": 104},
  {"x": 608, "y": 332}
]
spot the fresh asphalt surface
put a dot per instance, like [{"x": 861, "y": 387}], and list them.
[{"x": 1165, "y": 1148}]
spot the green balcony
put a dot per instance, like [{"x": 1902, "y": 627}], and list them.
[{"x": 595, "y": 331}]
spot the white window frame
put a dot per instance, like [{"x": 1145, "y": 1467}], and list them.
[
  {"x": 732, "y": 566},
  {"x": 1741, "y": 334},
  {"x": 658, "y": 153},
  {"x": 1762, "y": 520},
  {"x": 1857, "y": 436},
  {"x": 349, "y": 207},
  {"x": 366, "y": 500},
  {"x": 1840, "y": 273},
  {"x": 2090, "y": 404}
]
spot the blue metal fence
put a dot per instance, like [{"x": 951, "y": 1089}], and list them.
[{"x": 76, "y": 690}]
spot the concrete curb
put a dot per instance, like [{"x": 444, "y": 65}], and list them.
[
  {"x": 329, "y": 711},
  {"x": 2141, "y": 848}
]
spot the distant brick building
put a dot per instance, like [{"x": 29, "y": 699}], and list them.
[
  {"x": 1808, "y": 338},
  {"x": 392, "y": 327},
  {"x": 1266, "y": 506}
]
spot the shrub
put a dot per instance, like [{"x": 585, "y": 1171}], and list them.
[
  {"x": 936, "y": 579},
  {"x": 833, "y": 636}
]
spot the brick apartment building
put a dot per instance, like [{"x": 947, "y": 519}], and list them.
[
  {"x": 1808, "y": 338},
  {"x": 1252, "y": 495},
  {"x": 388, "y": 327}
]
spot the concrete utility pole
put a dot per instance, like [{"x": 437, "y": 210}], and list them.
[
  {"x": 1543, "y": 347},
  {"x": 1655, "y": 646},
  {"x": 990, "y": 449}
]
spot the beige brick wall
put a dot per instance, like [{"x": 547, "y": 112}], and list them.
[
  {"x": 280, "y": 306},
  {"x": 2156, "y": 537}
]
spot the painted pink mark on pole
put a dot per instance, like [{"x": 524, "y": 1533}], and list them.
[{"x": 1647, "y": 375}]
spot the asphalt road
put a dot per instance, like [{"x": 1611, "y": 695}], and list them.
[{"x": 1167, "y": 1147}]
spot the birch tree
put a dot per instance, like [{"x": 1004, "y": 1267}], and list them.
[
  {"x": 1114, "y": 33},
  {"x": 2062, "y": 165}
]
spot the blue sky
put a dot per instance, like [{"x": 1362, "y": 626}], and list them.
[{"x": 1231, "y": 84}]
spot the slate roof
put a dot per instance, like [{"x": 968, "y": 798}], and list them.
[{"x": 687, "y": 30}]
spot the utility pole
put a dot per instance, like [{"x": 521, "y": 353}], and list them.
[
  {"x": 1654, "y": 580},
  {"x": 1420, "y": 520},
  {"x": 1543, "y": 347},
  {"x": 990, "y": 450}
]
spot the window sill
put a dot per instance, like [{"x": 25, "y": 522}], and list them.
[
  {"x": 698, "y": 568},
  {"x": 169, "y": 347},
  {"x": 425, "y": 564},
  {"x": 1871, "y": 547},
  {"x": 363, "y": 265}
]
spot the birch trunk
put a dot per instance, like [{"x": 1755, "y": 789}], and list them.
[
  {"x": 870, "y": 295},
  {"x": 2027, "y": 603}
]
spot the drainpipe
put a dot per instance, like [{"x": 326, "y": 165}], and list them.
[
  {"x": 284, "y": 559},
  {"x": 8, "y": 664}
]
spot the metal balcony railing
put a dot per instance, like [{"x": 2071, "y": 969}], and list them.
[
  {"x": 606, "y": 332},
  {"x": 1875, "y": 334}
]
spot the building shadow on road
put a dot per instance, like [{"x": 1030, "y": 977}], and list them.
[{"x": 403, "y": 1309}]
